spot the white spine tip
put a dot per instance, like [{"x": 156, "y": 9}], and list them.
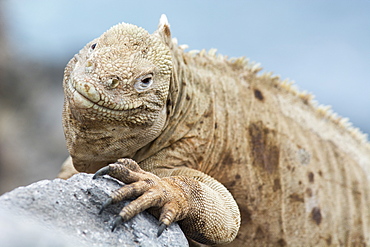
[{"x": 163, "y": 21}]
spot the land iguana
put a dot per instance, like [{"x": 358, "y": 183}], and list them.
[{"x": 210, "y": 143}]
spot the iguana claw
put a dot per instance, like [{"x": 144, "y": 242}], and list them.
[
  {"x": 116, "y": 222},
  {"x": 161, "y": 228},
  {"x": 101, "y": 172},
  {"x": 108, "y": 202}
]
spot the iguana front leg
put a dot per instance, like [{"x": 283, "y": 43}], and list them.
[{"x": 200, "y": 204}]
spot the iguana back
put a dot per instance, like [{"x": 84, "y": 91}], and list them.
[{"x": 299, "y": 173}]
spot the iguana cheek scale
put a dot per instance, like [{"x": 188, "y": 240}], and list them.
[{"x": 232, "y": 155}]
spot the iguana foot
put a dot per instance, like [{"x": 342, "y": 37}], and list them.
[{"x": 165, "y": 195}]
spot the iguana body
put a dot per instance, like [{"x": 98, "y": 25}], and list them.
[{"x": 299, "y": 177}]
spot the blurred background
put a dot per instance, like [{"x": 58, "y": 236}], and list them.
[{"x": 324, "y": 46}]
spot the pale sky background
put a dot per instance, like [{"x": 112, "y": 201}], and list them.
[{"x": 323, "y": 45}]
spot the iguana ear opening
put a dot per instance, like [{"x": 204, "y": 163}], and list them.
[{"x": 164, "y": 31}]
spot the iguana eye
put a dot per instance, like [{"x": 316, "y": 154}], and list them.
[
  {"x": 93, "y": 46},
  {"x": 144, "y": 82}
]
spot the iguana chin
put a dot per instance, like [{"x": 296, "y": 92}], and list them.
[{"x": 208, "y": 142}]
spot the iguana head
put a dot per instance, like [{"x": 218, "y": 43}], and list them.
[
  {"x": 122, "y": 76},
  {"x": 116, "y": 91}
]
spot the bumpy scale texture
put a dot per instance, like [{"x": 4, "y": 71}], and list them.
[{"x": 210, "y": 143}]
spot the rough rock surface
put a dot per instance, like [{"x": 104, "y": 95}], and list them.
[{"x": 65, "y": 213}]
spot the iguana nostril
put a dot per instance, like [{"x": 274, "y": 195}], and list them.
[{"x": 113, "y": 83}]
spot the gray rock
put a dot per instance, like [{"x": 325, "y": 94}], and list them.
[{"x": 65, "y": 213}]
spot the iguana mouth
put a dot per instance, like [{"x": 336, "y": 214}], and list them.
[{"x": 88, "y": 97}]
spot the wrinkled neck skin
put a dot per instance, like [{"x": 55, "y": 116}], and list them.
[
  {"x": 95, "y": 144},
  {"x": 179, "y": 109}
]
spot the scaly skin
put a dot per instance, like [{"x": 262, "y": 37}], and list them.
[{"x": 189, "y": 132}]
